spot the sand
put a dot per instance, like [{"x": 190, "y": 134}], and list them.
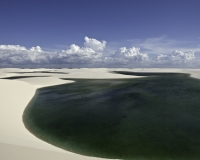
[
  {"x": 14, "y": 152},
  {"x": 18, "y": 143},
  {"x": 14, "y": 96}
]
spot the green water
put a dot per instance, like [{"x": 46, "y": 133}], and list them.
[
  {"x": 20, "y": 77},
  {"x": 153, "y": 118}
]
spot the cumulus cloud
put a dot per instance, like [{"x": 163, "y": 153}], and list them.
[
  {"x": 19, "y": 55},
  {"x": 107, "y": 61},
  {"x": 130, "y": 54},
  {"x": 94, "y": 44},
  {"x": 126, "y": 56},
  {"x": 81, "y": 52},
  {"x": 76, "y": 54},
  {"x": 36, "y": 49},
  {"x": 15, "y": 54},
  {"x": 91, "y": 54},
  {"x": 176, "y": 57},
  {"x": 12, "y": 47}
]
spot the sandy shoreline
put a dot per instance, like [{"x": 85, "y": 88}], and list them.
[{"x": 16, "y": 94}]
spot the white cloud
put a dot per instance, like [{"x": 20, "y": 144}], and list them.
[
  {"x": 80, "y": 52},
  {"x": 94, "y": 44},
  {"x": 114, "y": 61},
  {"x": 76, "y": 54},
  {"x": 176, "y": 57},
  {"x": 36, "y": 49},
  {"x": 162, "y": 45},
  {"x": 93, "y": 54},
  {"x": 130, "y": 54},
  {"x": 12, "y": 47},
  {"x": 126, "y": 56},
  {"x": 19, "y": 55},
  {"x": 15, "y": 54}
]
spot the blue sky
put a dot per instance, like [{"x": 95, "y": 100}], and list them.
[{"x": 154, "y": 26}]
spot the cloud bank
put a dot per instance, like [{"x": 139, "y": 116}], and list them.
[
  {"x": 91, "y": 54},
  {"x": 176, "y": 57},
  {"x": 19, "y": 55}
]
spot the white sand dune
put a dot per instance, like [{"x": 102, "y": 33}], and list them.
[
  {"x": 14, "y": 152},
  {"x": 39, "y": 82},
  {"x": 14, "y": 97},
  {"x": 73, "y": 73},
  {"x": 15, "y": 140}
]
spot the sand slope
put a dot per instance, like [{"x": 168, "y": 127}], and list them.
[
  {"x": 14, "y": 96},
  {"x": 13, "y": 152}
]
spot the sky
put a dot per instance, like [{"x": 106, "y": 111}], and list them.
[{"x": 100, "y": 33}]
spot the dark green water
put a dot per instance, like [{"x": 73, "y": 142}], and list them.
[
  {"x": 153, "y": 118},
  {"x": 20, "y": 77}
]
